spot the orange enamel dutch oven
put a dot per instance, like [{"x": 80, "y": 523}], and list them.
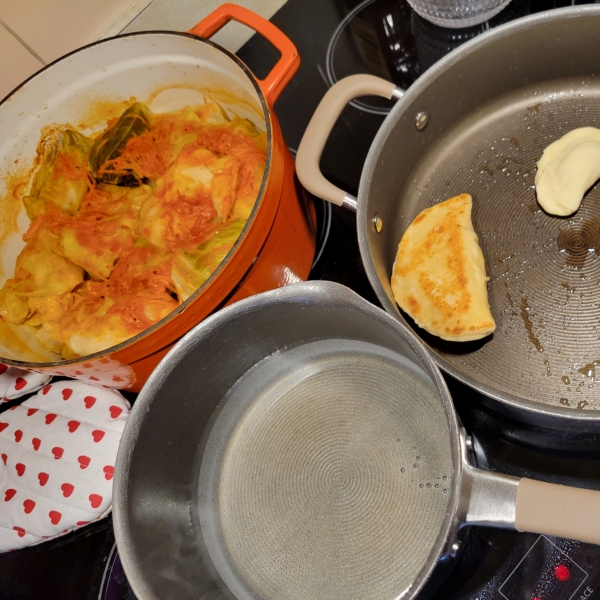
[{"x": 168, "y": 70}]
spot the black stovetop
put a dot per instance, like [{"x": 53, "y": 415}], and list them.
[{"x": 336, "y": 38}]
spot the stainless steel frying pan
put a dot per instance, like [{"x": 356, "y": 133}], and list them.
[
  {"x": 302, "y": 445},
  {"x": 477, "y": 122}
]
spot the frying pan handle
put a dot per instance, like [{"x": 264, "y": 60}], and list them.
[
  {"x": 274, "y": 83},
  {"x": 320, "y": 126},
  {"x": 552, "y": 509}
]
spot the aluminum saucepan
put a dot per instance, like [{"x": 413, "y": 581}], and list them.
[
  {"x": 477, "y": 122},
  {"x": 302, "y": 444}
]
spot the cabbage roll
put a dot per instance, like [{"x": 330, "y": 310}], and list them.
[
  {"x": 191, "y": 268},
  {"x": 42, "y": 274},
  {"x": 61, "y": 179}
]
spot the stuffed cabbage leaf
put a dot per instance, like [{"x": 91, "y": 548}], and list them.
[
  {"x": 191, "y": 268},
  {"x": 61, "y": 180}
]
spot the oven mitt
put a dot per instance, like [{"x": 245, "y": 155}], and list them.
[
  {"x": 15, "y": 383},
  {"x": 58, "y": 451}
]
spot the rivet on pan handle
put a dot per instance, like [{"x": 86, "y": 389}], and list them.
[
  {"x": 274, "y": 83},
  {"x": 320, "y": 126}
]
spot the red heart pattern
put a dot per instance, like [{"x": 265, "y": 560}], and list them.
[
  {"x": 89, "y": 401},
  {"x": 20, "y": 383},
  {"x": 97, "y": 434},
  {"x": 84, "y": 462},
  {"x": 67, "y": 489},
  {"x": 81, "y": 442},
  {"x": 3, "y": 368},
  {"x": 20, "y": 531},
  {"x": 115, "y": 411},
  {"x": 95, "y": 500}
]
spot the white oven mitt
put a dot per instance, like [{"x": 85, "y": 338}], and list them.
[
  {"x": 15, "y": 383},
  {"x": 57, "y": 456}
]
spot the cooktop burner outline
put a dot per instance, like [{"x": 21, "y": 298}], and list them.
[
  {"x": 567, "y": 559},
  {"x": 330, "y": 71},
  {"x": 107, "y": 569}
]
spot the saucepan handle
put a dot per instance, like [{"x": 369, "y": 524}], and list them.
[
  {"x": 500, "y": 500},
  {"x": 274, "y": 83},
  {"x": 534, "y": 506},
  {"x": 558, "y": 510},
  {"x": 320, "y": 126}
]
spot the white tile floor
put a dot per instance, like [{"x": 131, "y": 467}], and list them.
[
  {"x": 36, "y": 32},
  {"x": 17, "y": 62}
]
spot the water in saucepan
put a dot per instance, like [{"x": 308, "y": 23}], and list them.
[{"x": 327, "y": 474}]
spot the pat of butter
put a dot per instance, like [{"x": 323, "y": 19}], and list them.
[{"x": 568, "y": 168}]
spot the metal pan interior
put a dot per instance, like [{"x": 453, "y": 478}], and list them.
[
  {"x": 327, "y": 474},
  {"x": 544, "y": 271}
]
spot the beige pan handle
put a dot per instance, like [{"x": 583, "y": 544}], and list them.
[
  {"x": 320, "y": 126},
  {"x": 558, "y": 510},
  {"x": 498, "y": 500}
]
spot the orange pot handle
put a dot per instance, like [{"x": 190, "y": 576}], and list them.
[{"x": 274, "y": 83}]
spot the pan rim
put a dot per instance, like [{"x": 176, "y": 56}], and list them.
[{"x": 552, "y": 417}]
